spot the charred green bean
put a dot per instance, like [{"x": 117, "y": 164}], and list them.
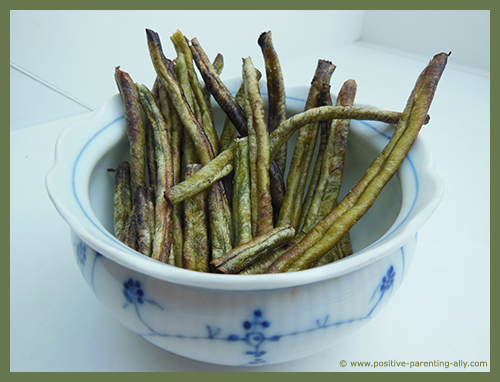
[
  {"x": 122, "y": 198},
  {"x": 264, "y": 203},
  {"x": 196, "y": 251},
  {"x": 242, "y": 206},
  {"x": 328, "y": 231},
  {"x": 135, "y": 128},
  {"x": 246, "y": 254},
  {"x": 162, "y": 240},
  {"x": 276, "y": 92}
]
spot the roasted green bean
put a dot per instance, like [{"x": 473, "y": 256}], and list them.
[
  {"x": 209, "y": 174},
  {"x": 324, "y": 113},
  {"x": 328, "y": 231},
  {"x": 135, "y": 128},
  {"x": 246, "y": 254},
  {"x": 174, "y": 130},
  {"x": 218, "y": 90},
  {"x": 266, "y": 260},
  {"x": 304, "y": 149},
  {"x": 182, "y": 77},
  {"x": 196, "y": 251},
  {"x": 130, "y": 231},
  {"x": 204, "y": 114},
  {"x": 144, "y": 232},
  {"x": 252, "y": 163},
  {"x": 324, "y": 127},
  {"x": 328, "y": 188},
  {"x": 264, "y": 202},
  {"x": 166, "y": 74},
  {"x": 150, "y": 153},
  {"x": 277, "y": 184},
  {"x": 218, "y": 65},
  {"x": 221, "y": 222},
  {"x": 162, "y": 241},
  {"x": 122, "y": 198},
  {"x": 276, "y": 92},
  {"x": 208, "y": 203},
  {"x": 242, "y": 206}
]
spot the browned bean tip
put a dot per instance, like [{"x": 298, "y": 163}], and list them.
[
  {"x": 347, "y": 93},
  {"x": 218, "y": 63},
  {"x": 275, "y": 115},
  {"x": 200, "y": 105},
  {"x": 165, "y": 71},
  {"x": 321, "y": 78},
  {"x": 275, "y": 82},
  {"x": 218, "y": 90},
  {"x": 196, "y": 98},
  {"x": 135, "y": 129}
]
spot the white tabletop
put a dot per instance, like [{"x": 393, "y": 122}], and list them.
[{"x": 440, "y": 313}]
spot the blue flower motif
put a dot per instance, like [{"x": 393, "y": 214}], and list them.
[
  {"x": 81, "y": 254},
  {"x": 254, "y": 337},
  {"x": 255, "y": 327},
  {"x": 134, "y": 294},
  {"x": 384, "y": 286},
  {"x": 387, "y": 280},
  {"x": 133, "y": 291}
]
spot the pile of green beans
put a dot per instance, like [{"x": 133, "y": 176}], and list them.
[{"x": 227, "y": 203}]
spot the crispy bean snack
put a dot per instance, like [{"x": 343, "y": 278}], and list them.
[{"x": 226, "y": 203}]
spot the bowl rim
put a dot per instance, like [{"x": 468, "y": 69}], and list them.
[{"x": 110, "y": 247}]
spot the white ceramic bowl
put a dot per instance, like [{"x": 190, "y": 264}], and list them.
[{"x": 230, "y": 319}]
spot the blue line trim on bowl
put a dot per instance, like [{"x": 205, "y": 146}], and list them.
[
  {"x": 403, "y": 258},
  {"x": 73, "y": 177}
]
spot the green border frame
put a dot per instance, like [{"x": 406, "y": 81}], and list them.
[{"x": 297, "y": 5}]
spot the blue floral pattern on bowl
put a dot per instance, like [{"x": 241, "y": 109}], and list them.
[
  {"x": 81, "y": 254},
  {"x": 256, "y": 329}
]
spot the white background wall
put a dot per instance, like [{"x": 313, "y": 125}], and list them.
[
  {"x": 62, "y": 62},
  {"x": 76, "y": 52},
  {"x": 464, "y": 32}
]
